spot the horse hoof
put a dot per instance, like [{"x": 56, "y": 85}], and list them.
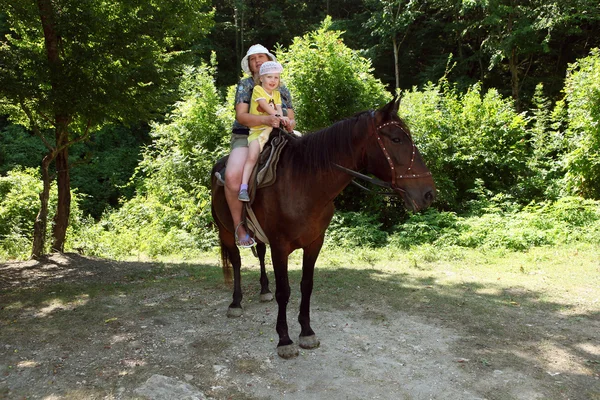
[
  {"x": 266, "y": 297},
  {"x": 287, "y": 351},
  {"x": 309, "y": 342},
  {"x": 234, "y": 312}
]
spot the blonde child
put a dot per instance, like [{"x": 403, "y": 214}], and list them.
[{"x": 266, "y": 100}]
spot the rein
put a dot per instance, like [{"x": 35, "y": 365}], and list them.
[{"x": 406, "y": 175}]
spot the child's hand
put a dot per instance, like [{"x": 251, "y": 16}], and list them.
[{"x": 287, "y": 123}]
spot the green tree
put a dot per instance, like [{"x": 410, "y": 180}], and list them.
[
  {"x": 66, "y": 68},
  {"x": 582, "y": 88},
  {"x": 519, "y": 36},
  {"x": 328, "y": 80},
  {"x": 391, "y": 20}
]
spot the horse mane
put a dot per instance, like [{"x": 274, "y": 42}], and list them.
[{"x": 317, "y": 151}]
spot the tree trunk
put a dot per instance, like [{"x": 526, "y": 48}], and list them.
[
  {"x": 238, "y": 51},
  {"x": 39, "y": 226},
  {"x": 61, "y": 122},
  {"x": 63, "y": 182},
  {"x": 396, "y": 66},
  {"x": 514, "y": 78}
]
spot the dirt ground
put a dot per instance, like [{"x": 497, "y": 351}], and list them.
[{"x": 170, "y": 339}]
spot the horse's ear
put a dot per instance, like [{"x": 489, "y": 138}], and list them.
[{"x": 391, "y": 108}]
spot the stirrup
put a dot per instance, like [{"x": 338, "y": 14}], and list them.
[{"x": 247, "y": 238}]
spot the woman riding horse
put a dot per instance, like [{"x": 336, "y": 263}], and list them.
[{"x": 311, "y": 172}]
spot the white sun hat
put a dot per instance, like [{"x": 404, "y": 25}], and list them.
[
  {"x": 255, "y": 49},
  {"x": 270, "y": 67}
]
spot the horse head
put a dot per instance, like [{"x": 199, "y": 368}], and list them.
[{"x": 391, "y": 155}]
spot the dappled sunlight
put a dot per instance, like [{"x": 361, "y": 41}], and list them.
[
  {"x": 488, "y": 291},
  {"x": 561, "y": 361},
  {"x": 592, "y": 349},
  {"x": 132, "y": 363},
  {"x": 61, "y": 305},
  {"x": 121, "y": 338},
  {"x": 28, "y": 364},
  {"x": 17, "y": 305}
]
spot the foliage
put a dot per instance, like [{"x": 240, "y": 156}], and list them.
[
  {"x": 19, "y": 202},
  {"x": 582, "y": 88},
  {"x": 185, "y": 147},
  {"x": 391, "y": 20},
  {"x": 116, "y": 59},
  {"x": 19, "y": 148},
  {"x": 66, "y": 69},
  {"x": 506, "y": 225},
  {"x": 144, "y": 226},
  {"x": 424, "y": 228},
  {"x": 101, "y": 167},
  {"x": 240, "y": 24},
  {"x": 353, "y": 229},
  {"x": 170, "y": 212},
  {"x": 328, "y": 80},
  {"x": 468, "y": 137},
  {"x": 548, "y": 147}
]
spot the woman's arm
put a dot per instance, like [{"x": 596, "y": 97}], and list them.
[{"x": 243, "y": 116}]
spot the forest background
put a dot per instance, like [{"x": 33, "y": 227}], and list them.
[{"x": 113, "y": 114}]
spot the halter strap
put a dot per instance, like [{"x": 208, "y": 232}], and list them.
[{"x": 408, "y": 173}]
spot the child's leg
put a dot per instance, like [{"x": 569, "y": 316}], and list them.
[{"x": 253, "y": 152}]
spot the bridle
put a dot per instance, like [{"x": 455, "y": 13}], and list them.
[
  {"x": 408, "y": 173},
  {"x": 395, "y": 177}
]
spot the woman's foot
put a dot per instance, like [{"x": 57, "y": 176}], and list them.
[{"x": 242, "y": 239}]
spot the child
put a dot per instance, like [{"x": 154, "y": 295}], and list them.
[{"x": 266, "y": 100}]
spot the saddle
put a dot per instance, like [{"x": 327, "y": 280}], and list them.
[{"x": 264, "y": 174}]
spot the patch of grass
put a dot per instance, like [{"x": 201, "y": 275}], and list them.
[{"x": 472, "y": 283}]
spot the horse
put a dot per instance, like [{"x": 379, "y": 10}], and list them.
[{"x": 295, "y": 211}]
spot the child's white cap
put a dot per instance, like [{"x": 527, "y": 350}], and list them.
[{"x": 270, "y": 67}]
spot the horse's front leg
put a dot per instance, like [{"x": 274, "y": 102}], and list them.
[
  {"x": 235, "y": 308},
  {"x": 308, "y": 339},
  {"x": 285, "y": 348},
  {"x": 265, "y": 293}
]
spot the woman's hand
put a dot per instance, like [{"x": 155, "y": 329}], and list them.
[{"x": 271, "y": 120}]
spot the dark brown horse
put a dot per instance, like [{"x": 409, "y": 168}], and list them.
[{"x": 296, "y": 210}]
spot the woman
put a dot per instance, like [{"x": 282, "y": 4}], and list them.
[{"x": 251, "y": 63}]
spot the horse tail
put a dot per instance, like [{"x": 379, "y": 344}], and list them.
[{"x": 226, "y": 264}]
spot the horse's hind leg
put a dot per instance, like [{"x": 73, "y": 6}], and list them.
[
  {"x": 265, "y": 293},
  {"x": 308, "y": 339}
]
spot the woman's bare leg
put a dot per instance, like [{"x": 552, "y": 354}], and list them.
[{"x": 233, "y": 179}]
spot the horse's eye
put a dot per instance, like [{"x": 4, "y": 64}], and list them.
[{"x": 397, "y": 140}]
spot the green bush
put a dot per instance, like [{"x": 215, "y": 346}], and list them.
[
  {"x": 465, "y": 137},
  {"x": 352, "y": 229},
  {"x": 427, "y": 227},
  {"x": 170, "y": 213},
  {"x": 142, "y": 226},
  {"x": 505, "y": 225},
  {"x": 19, "y": 206}
]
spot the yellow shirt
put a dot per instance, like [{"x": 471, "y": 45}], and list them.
[{"x": 273, "y": 100}]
